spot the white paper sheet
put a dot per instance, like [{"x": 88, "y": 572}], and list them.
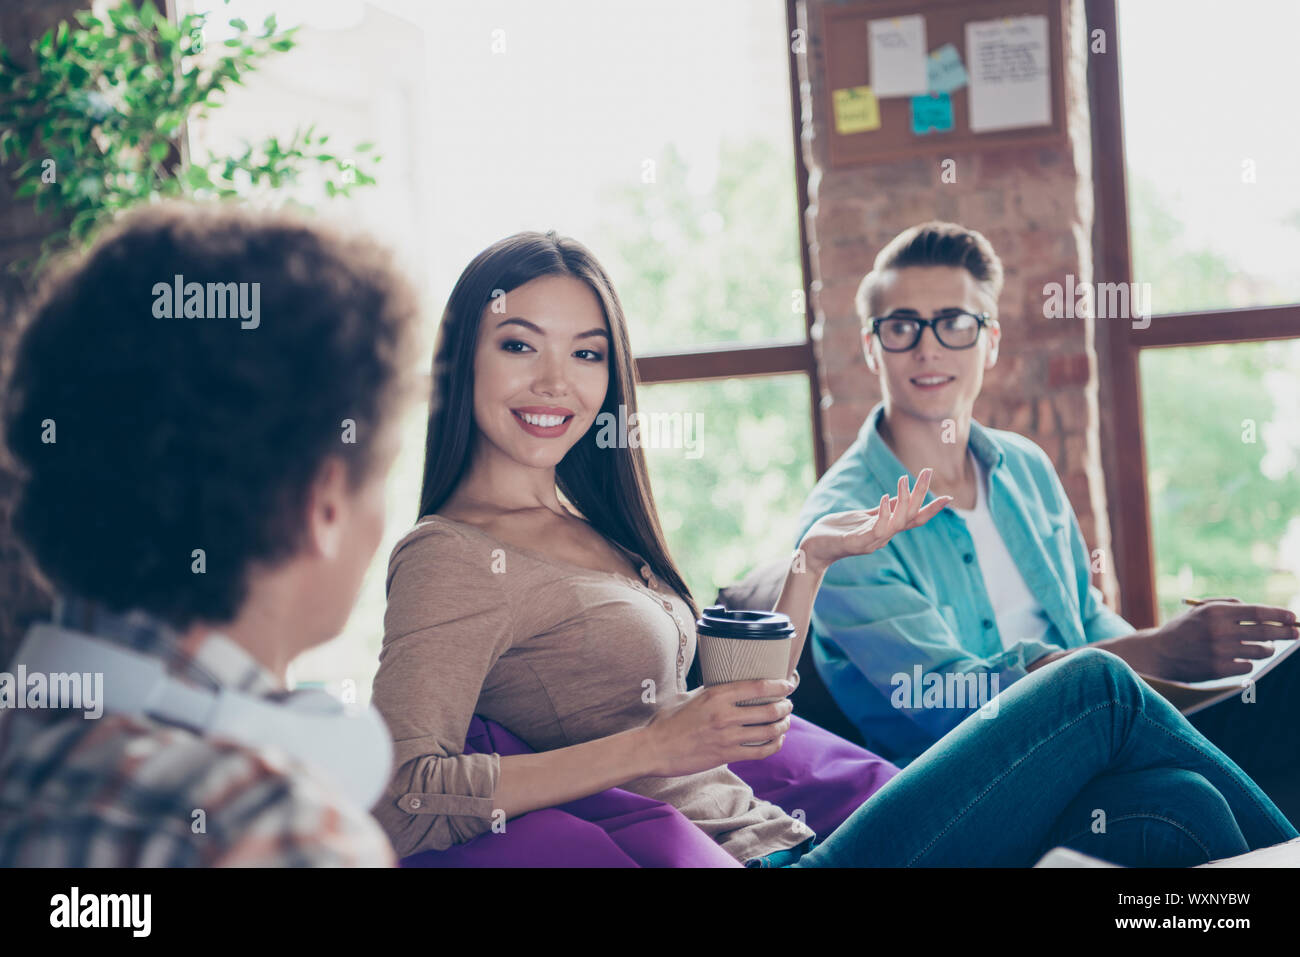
[
  {"x": 1279, "y": 855},
  {"x": 897, "y": 54},
  {"x": 1232, "y": 685},
  {"x": 1010, "y": 73},
  {"x": 1258, "y": 668}
]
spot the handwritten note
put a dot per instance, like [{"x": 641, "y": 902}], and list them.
[
  {"x": 945, "y": 70},
  {"x": 1010, "y": 80},
  {"x": 896, "y": 53},
  {"x": 932, "y": 113},
  {"x": 856, "y": 109}
]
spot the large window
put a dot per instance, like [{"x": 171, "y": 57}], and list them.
[
  {"x": 658, "y": 135},
  {"x": 1213, "y": 200},
  {"x": 1201, "y": 210},
  {"x": 1222, "y": 471}
]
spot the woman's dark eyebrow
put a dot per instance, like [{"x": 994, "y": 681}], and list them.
[{"x": 517, "y": 321}]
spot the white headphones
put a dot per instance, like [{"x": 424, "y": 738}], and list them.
[{"x": 352, "y": 751}]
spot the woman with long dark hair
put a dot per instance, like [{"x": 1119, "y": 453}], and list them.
[{"x": 536, "y": 590}]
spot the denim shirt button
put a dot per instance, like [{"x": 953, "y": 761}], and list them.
[
  {"x": 987, "y": 623},
  {"x": 968, "y": 558}
]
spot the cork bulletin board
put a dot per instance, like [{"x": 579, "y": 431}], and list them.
[{"x": 864, "y": 127}]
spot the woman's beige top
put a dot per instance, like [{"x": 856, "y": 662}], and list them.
[{"x": 557, "y": 654}]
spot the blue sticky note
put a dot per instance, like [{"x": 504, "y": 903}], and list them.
[
  {"x": 944, "y": 69},
  {"x": 932, "y": 113}
]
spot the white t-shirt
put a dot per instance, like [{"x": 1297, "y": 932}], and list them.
[{"x": 1019, "y": 615}]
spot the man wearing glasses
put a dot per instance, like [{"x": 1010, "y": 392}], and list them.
[{"x": 998, "y": 584}]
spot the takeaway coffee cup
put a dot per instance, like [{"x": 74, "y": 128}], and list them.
[{"x": 743, "y": 645}]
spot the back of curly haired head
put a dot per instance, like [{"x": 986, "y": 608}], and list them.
[{"x": 176, "y": 434}]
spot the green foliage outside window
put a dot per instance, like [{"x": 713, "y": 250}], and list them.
[
  {"x": 721, "y": 266},
  {"x": 1213, "y": 416},
  {"x": 94, "y": 118}
]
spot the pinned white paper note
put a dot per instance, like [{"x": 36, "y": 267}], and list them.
[
  {"x": 897, "y": 54},
  {"x": 1010, "y": 73}
]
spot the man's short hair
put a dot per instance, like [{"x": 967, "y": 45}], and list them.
[
  {"x": 140, "y": 438},
  {"x": 934, "y": 244}
]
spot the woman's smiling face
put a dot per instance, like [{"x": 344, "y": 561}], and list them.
[{"x": 541, "y": 369}]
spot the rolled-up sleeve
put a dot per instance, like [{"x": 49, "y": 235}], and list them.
[{"x": 446, "y": 624}]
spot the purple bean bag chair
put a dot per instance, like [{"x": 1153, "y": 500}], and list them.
[{"x": 816, "y": 773}]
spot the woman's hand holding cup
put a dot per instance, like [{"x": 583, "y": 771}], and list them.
[{"x": 709, "y": 728}]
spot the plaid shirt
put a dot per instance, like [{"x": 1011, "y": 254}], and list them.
[{"x": 122, "y": 792}]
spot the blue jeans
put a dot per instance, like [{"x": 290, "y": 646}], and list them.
[{"x": 1081, "y": 753}]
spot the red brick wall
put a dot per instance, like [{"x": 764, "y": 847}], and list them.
[
  {"x": 1035, "y": 206},
  {"x": 23, "y": 598}
]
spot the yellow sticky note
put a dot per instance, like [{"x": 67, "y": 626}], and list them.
[{"x": 856, "y": 110}]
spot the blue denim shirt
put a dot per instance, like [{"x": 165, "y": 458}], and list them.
[{"x": 921, "y": 600}]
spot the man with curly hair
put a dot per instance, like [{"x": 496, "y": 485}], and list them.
[{"x": 204, "y": 494}]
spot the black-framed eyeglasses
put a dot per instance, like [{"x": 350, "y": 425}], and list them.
[{"x": 954, "y": 330}]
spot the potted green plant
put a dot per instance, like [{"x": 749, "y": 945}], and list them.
[{"x": 95, "y": 121}]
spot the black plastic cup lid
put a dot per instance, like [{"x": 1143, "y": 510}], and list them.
[{"x": 718, "y": 622}]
